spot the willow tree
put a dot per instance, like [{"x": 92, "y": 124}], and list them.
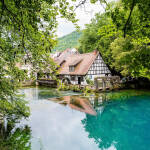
[{"x": 28, "y": 28}]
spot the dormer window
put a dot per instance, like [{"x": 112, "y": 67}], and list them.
[
  {"x": 62, "y": 62},
  {"x": 71, "y": 68},
  {"x": 74, "y": 64}
]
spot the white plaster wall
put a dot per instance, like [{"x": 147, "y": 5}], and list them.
[
  {"x": 92, "y": 77},
  {"x": 76, "y": 80},
  {"x": 97, "y": 73}
]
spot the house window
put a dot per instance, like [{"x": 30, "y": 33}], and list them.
[
  {"x": 82, "y": 79},
  {"x": 90, "y": 76},
  {"x": 73, "y": 78},
  {"x": 71, "y": 68}
]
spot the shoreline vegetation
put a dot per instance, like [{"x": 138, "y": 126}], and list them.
[
  {"x": 91, "y": 88},
  {"x": 49, "y": 92}
]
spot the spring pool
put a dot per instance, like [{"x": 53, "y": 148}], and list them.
[{"x": 67, "y": 121}]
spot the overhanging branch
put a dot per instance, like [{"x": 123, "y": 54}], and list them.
[
  {"x": 127, "y": 22},
  {"x": 80, "y": 3}
]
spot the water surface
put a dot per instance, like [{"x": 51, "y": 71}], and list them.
[{"x": 59, "y": 121}]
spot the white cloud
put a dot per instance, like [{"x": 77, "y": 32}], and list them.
[
  {"x": 64, "y": 27},
  {"x": 84, "y": 13},
  {"x": 60, "y": 34}
]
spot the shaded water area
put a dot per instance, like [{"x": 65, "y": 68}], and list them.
[{"x": 69, "y": 121}]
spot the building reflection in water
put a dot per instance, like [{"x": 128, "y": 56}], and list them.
[
  {"x": 94, "y": 123},
  {"x": 79, "y": 103},
  {"x": 89, "y": 105},
  {"x": 108, "y": 120}
]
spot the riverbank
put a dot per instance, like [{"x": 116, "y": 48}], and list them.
[{"x": 134, "y": 84}]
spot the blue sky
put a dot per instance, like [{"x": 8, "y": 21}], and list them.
[{"x": 84, "y": 14}]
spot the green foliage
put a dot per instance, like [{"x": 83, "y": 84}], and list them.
[
  {"x": 62, "y": 86},
  {"x": 68, "y": 41},
  {"x": 121, "y": 34},
  {"x": 89, "y": 81},
  {"x": 132, "y": 59},
  {"x": 131, "y": 18},
  {"x": 27, "y": 29},
  {"x": 13, "y": 109},
  {"x": 87, "y": 91},
  {"x": 98, "y": 35},
  {"x": 18, "y": 139}
]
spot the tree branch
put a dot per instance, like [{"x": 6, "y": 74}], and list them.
[
  {"x": 80, "y": 3},
  {"x": 127, "y": 22}
]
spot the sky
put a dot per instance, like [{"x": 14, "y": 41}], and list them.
[{"x": 84, "y": 13}]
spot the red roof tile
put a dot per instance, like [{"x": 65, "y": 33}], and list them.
[
  {"x": 75, "y": 62},
  {"x": 86, "y": 60},
  {"x": 63, "y": 56}
]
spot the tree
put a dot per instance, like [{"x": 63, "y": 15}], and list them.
[
  {"x": 18, "y": 138},
  {"x": 98, "y": 35},
  {"x": 121, "y": 34},
  {"x": 26, "y": 28},
  {"x": 130, "y": 58},
  {"x": 131, "y": 18}
]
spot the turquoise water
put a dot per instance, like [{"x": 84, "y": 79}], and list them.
[{"x": 118, "y": 120}]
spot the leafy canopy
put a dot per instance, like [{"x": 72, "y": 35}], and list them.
[
  {"x": 122, "y": 35},
  {"x": 27, "y": 29}
]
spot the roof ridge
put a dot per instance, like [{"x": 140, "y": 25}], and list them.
[
  {"x": 82, "y": 54},
  {"x": 90, "y": 52}
]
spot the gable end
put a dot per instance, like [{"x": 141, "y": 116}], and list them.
[{"x": 98, "y": 67}]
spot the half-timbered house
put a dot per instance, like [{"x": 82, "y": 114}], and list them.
[{"x": 76, "y": 68}]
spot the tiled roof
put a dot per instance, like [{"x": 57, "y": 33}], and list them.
[
  {"x": 63, "y": 56},
  {"x": 75, "y": 62},
  {"x": 86, "y": 60}
]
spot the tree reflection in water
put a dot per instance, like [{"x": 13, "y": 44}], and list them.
[
  {"x": 120, "y": 124},
  {"x": 15, "y": 138}
]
